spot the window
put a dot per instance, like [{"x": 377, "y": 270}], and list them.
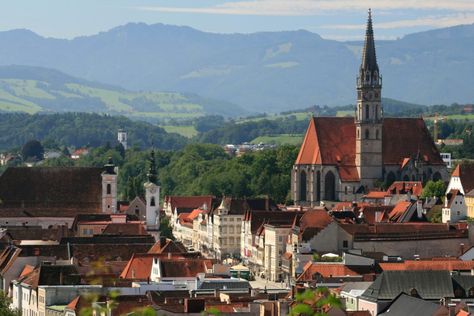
[
  {"x": 109, "y": 188},
  {"x": 376, "y": 134},
  {"x": 231, "y": 230},
  {"x": 152, "y": 202},
  {"x": 367, "y": 134},
  {"x": 345, "y": 244},
  {"x": 367, "y": 113}
]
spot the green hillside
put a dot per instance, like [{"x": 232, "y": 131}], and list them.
[{"x": 39, "y": 90}]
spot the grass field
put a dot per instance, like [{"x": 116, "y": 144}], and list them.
[
  {"x": 186, "y": 131},
  {"x": 282, "y": 139},
  {"x": 469, "y": 117},
  {"x": 300, "y": 116}
]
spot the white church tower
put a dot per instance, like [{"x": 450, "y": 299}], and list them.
[
  {"x": 122, "y": 138},
  {"x": 152, "y": 197},
  {"x": 109, "y": 188}
]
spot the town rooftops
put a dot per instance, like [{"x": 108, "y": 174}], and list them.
[
  {"x": 189, "y": 202},
  {"x": 51, "y": 275},
  {"x": 331, "y": 141},
  {"x": 51, "y": 189},
  {"x": 313, "y": 270},
  {"x": 403, "y": 187}
]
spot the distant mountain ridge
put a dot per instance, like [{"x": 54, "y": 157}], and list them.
[
  {"x": 42, "y": 90},
  {"x": 270, "y": 71}
]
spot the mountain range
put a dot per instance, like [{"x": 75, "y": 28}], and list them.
[{"x": 269, "y": 71}]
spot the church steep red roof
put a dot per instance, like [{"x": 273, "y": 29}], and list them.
[{"x": 331, "y": 141}]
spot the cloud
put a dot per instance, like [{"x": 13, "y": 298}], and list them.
[
  {"x": 430, "y": 21},
  {"x": 314, "y": 7}
]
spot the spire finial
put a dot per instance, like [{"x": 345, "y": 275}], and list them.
[{"x": 369, "y": 70}]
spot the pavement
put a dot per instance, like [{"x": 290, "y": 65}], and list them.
[{"x": 260, "y": 283}]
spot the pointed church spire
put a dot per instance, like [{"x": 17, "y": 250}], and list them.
[
  {"x": 369, "y": 70},
  {"x": 152, "y": 174}
]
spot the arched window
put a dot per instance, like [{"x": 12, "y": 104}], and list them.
[
  {"x": 376, "y": 112},
  {"x": 330, "y": 186},
  {"x": 152, "y": 202},
  {"x": 318, "y": 186},
  {"x": 303, "y": 186},
  {"x": 367, "y": 134},
  {"x": 367, "y": 113},
  {"x": 109, "y": 188}
]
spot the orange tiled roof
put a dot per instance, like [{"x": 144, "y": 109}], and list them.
[
  {"x": 376, "y": 195},
  {"x": 400, "y": 208},
  {"x": 450, "y": 265},
  {"x": 325, "y": 270}
]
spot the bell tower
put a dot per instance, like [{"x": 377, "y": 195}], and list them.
[
  {"x": 152, "y": 197},
  {"x": 369, "y": 113}
]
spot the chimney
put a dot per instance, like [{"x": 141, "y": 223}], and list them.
[{"x": 419, "y": 208}]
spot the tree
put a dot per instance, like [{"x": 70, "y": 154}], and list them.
[
  {"x": 32, "y": 150},
  {"x": 5, "y": 303},
  {"x": 434, "y": 188},
  {"x": 165, "y": 228},
  {"x": 314, "y": 302}
]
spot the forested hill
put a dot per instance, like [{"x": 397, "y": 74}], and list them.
[
  {"x": 81, "y": 129},
  {"x": 42, "y": 90}
]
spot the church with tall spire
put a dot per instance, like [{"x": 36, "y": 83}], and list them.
[{"x": 342, "y": 158}]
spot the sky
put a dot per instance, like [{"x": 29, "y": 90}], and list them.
[{"x": 332, "y": 19}]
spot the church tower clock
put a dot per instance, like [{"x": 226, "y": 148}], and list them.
[{"x": 369, "y": 114}]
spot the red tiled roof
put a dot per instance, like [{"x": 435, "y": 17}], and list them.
[
  {"x": 465, "y": 172},
  {"x": 138, "y": 267},
  {"x": 376, "y": 195},
  {"x": 331, "y": 141},
  {"x": 26, "y": 270},
  {"x": 375, "y": 214},
  {"x": 449, "y": 265},
  {"x": 402, "y": 187},
  {"x": 189, "y": 201},
  {"x": 326, "y": 270},
  {"x": 315, "y": 218},
  {"x": 165, "y": 245},
  {"x": 400, "y": 208},
  {"x": 184, "y": 267}
]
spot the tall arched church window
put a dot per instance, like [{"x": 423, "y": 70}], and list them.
[
  {"x": 303, "y": 186},
  {"x": 152, "y": 202},
  {"x": 367, "y": 113},
  {"x": 367, "y": 134}
]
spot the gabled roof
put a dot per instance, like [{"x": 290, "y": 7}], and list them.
[
  {"x": 189, "y": 202},
  {"x": 430, "y": 285},
  {"x": 398, "y": 211},
  {"x": 165, "y": 245},
  {"x": 465, "y": 172},
  {"x": 451, "y": 196},
  {"x": 405, "y": 304},
  {"x": 136, "y": 228},
  {"x": 52, "y": 275},
  {"x": 184, "y": 267},
  {"x": 52, "y": 188},
  {"x": 326, "y": 270}
]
